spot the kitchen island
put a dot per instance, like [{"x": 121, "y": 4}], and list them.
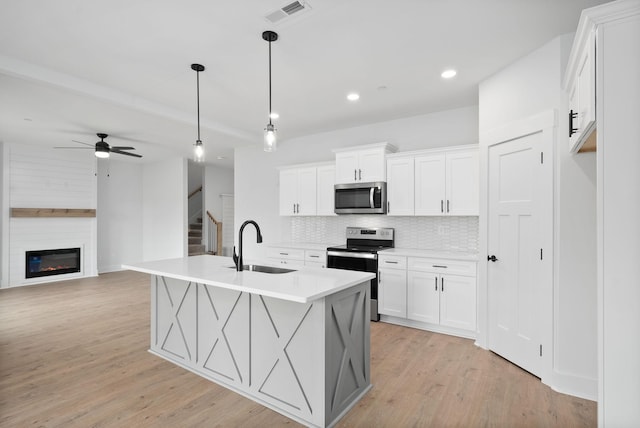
[{"x": 296, "y": 342}]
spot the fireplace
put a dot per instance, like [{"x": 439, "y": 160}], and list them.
[{"x": 52, "y": 262}]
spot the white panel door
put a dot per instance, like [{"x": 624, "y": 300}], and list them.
[
  {"x": 463, "y": 185},
  {"x": 458, "y": 302},
  {"x": 514, "y": 311},
  {"x": 306, "y": 204},
  {"x": 423, "y": 297},
  {"x": 400, "y": 186},
  {"x": 430, "y": 185}
]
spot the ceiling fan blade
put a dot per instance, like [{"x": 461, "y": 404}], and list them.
[
  {"x": 122, "y": 148},
  {"x": 125, "y": 153},
  {"x": 86, "y": 144},
  {"x": 68, "y": 147}
]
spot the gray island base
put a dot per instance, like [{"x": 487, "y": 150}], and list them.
[{"x": 297, "y": 343}]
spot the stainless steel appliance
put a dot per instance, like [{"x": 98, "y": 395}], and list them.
[
  {"x": 361, "y": 198},
  {"x": 361, "y": 253}
]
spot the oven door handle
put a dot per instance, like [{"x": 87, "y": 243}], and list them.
[
  {"x": 371, "y": 197},
  {"x": 352, "y": 255}
]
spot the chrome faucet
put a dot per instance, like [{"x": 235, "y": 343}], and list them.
[{"x": 237, "y": 259}]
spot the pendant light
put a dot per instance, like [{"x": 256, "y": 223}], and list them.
[
  {"x": 198, "y": 149},
  {"x": 270, "y": 137}
]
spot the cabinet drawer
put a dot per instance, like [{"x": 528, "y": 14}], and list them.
[
  {"x": 454, "y": 267},
  {"x": 315, "y": 256},
  {"x": 392, "y": 262},
  {"x": 286, "y": 253}
]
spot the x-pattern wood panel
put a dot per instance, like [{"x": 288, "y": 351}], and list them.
[
  {"x": 175, "y": 310},
  {"x": 348, "y": 323},
  {"x": 217, "y": 330},
  {"x": 282, "y": 343}
]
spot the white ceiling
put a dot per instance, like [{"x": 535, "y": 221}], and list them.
[{"x": 71, "y": 68}]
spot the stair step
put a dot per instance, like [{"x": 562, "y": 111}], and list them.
[
  {"x": 196, "y": 226},
  {"x": 195, "y": 233},
  {"x": 194, "y": 240},
  {"x": 195, "y": 250}
]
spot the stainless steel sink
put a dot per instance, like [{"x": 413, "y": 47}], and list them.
[{"x": 263, "y": 269}]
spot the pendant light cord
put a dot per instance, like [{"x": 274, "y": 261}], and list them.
[
  {"x": 198, "y": 100},
  {"x": 270, "y": 82}
]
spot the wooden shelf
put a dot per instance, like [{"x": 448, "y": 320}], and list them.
[{"x": 53, "y": 212}]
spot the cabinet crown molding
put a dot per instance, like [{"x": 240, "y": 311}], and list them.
[
  {"x": 435, "y": 150},
  {"x": 390, "y": 148}
]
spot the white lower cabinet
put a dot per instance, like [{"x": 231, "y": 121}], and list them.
[
  {"x": 433, "y": 294},
  {"x": 392, "y": 286},
  {"x": 297, "y": 257}
]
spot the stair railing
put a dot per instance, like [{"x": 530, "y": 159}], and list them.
[{"x": 214, "y": 235}]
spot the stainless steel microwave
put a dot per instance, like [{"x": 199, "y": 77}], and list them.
[{"x": 361, "y": 198}]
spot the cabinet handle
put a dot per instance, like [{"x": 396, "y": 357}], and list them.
[
  {"x": 436, "y": 281},
  {"x": 390, "y": 261},
  {"x": 297, "y": 208},
  {"x": 315, "y": 257},
  {"x": 441, "y": 206},
  {"x": 359, "y": 174},
  {"x": 439, "y": 266},
  {"x": 379, "y": 277},
  {"x": 572, "y": 116},
  {"x": 388, "y": 207},
  {"x": 355, "y": 175},
  {"x": 284, "y": 254},
  {"x": 294, "y": 208},
  {"x": 442, "y": 284},
  {"x": 447, "y": 205}
]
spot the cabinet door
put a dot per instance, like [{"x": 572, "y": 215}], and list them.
[
  {"x": 392, "y": 292},
  {"x": 462, "y": 183},
  {"x": 288, "y": 191},
  {"x": 423, "y": 297},
  {"x": 306, "y": 202},
  {"x": 458, "y": 302},
  {"x": 371, "y": 165},
  {"x": 326, "y": 179},
  {"x": 586, "y": 85},
  {"x": 400, "y": 186},
  {"x": 346, "y": 167},
  {"x": 430, "y": 185}
]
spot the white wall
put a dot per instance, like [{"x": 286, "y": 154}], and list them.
[
  {"x": 525, "y": 88},
  {"x": 217, "y": 181},
  {"x": 164, "y": 211},
  {"x": 4, "y": 218},
  {"x": 256, "y": 174},
  {"x": 119, "y": 214}
]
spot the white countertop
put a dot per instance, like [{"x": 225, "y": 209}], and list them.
[
  {"x": 304, "y": 285},
  {"x": 432, "y": 254}
]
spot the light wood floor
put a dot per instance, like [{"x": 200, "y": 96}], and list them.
[{"x": 74, "y": 354}]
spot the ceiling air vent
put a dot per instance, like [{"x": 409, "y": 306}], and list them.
[{"x": 286, "y": 11}]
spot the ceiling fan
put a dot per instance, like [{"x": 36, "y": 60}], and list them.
[{"x": 103, "y": 149}]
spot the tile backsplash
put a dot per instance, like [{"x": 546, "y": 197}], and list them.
[{"x": 428, "y": 233}]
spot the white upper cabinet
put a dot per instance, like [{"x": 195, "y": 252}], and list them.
[
  {"x": 447, "y": 183},
  {"x": 326, "y": 179},
  {"x": 400, "y": 185},
  {"x": 462, "y": 183},
  {"x": 298, "y": 191},
  {"x": 580, "y": 83},
  {"x": 362, "y": 164},
  {"x": 430, "y": 187}
]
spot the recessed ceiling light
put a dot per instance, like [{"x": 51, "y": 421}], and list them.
[
  {"x": 353, "y": 96},
  {"x": 274, "y": 115},
  {"x": 221, "y": 157},
  {"x": 448, "y": 74},
  {"x": 28, "y": 119}
]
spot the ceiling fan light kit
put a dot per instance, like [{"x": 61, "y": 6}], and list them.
[
  {"x": 270, "y": 135},
  {"x": 198, "y": 149},
  {"x": 102, "y": 149}
]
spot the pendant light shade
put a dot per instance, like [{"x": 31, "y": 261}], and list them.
[
  {"x": 270, "y": 135},
  {"x": 198, "y": 148}
]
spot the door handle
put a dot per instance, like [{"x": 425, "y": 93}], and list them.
[
  {"x": 572, "y": 116},
  {"x": 492, "y": 258}
]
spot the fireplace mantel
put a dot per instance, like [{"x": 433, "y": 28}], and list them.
[{"x": 53, "y": 212}]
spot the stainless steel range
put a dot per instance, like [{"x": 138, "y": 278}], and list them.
[{"x": 361, "y": 253}]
